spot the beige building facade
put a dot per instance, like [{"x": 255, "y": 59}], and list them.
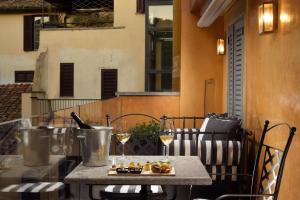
[
  {"x": 120, "y": 47},
  {"x": 12, "y": 56}
]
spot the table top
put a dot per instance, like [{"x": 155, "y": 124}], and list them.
[
  {"x": 17, "y": 171},
  {"x": 189, "y": 171}
]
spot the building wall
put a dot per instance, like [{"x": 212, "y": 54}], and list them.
[
  {"x": 12, "y": 56},
  {"x": 271, "y": 77},
  {"x": 94, "y": 49},
  {"x": 176, "y": 45},
  {"x": 273, "y": 84},
  {"x": 95, "y": 113},
  {"x": 199, "y": 62}
]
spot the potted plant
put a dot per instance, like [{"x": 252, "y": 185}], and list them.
[{"x": 144, "y": 140}]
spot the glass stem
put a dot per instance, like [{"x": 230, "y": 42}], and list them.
[
  {"x": 123, "y": 154},
  {"x": 167, "y": 151}
]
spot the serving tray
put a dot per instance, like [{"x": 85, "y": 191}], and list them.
[{"x": 113, "y": 172}]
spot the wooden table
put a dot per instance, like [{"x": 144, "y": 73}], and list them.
[{"x": 189, "y": 171}]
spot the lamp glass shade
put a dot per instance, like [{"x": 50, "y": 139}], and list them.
[
  {"x": 220, "y": 47},
  {"x": 266, "y": 13}
]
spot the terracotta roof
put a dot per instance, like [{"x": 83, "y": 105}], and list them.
[
  {"x": 10, "y": 100},
  {"x": 21, "y": 5}
]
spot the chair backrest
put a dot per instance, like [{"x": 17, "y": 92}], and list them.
[
  {"x": 144, "y": 144},
  {"x": 269, "y": 164}
]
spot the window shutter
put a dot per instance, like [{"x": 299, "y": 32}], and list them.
[
  {"x": 109, "y": 83},
  {"x": 238, "y": 68},
  {"x": 67, "y": 79},
  {"x": 24, "y": 76},
  {"x": 140, "y": 6},
  {"x": 235, "y": 69},
  {"x": 28, "y": 37},
  {"x": 230, "y": 71}
]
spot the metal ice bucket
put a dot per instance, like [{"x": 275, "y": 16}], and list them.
[
  {"x": 95, "y": 145},
  {"x": 36, "y": 145}
]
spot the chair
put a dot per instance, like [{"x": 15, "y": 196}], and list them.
[
  {"x": 220, "y": 143},
  {"x": 33, "y": 191},
  {"x": 127, "y": 192},
  {"x": 265, "y": 183}
]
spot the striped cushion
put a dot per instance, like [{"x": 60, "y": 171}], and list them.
[
  {"x": 126, "y": 189},
  {"x": 34, "y": 187},
  {"x": 220, "y": 159},
  {"x": 187, "y": 134},
  {"x": 182, "y": 148},
  {"x": 218, "y": 155},
  {"x": 97, "y": 190},
  {"x": 221, "y": 173}
]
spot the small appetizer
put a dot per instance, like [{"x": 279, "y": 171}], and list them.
[
  {"x": 147, "y": 166},
  {"x": 155, "y": 167}
]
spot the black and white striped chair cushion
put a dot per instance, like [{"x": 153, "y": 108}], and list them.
[
  {"x": 220, "y": 159},
  {"x": 223, "y": 153},
  {"x": 97, "y": 190},
  {"x": 182, "y": 148},
  {"x": 125, "y": 189},
  {"x": 41, "y": 187},
  {"x": 187, "y": 133}
]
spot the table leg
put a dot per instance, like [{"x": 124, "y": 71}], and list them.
[{"x": 145, "y": 192}]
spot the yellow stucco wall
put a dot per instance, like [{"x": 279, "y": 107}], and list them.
[
  {"x": 273, "y": 84},
  {"x": 199, "y": 62},
  {"x": 94, "y": 49},
  {"x": 12, "y": 56},
  {"x": 272, "y": 80}
]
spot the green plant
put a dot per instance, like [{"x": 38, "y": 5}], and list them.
[{"x": 142, "y": 130}]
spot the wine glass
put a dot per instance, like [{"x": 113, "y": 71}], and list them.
[
  {"x": 167, "y": 135},
  {"x": 122, "y": 135}
]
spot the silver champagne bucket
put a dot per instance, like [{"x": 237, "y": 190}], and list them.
[
  {"x": 36, "y": 145},
  {"x": 95, "y": 145}
]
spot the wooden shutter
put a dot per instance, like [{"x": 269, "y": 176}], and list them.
[
  {"x": 24, "y": 76},
  {"x": 238, "y": 68},
  {"x": 230, "y": 71},
  {"x": 28, "y": 37},
  {"x": 109, "y": 83},
  {"x": 140, "y": 6},
  {"x": 235, "y": 69},
  {"x": 67, "y": 79}
]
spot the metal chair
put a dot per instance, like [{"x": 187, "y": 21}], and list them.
[
  {"x": 127, "y": 192},
  {"x": 265, "y": 183}
]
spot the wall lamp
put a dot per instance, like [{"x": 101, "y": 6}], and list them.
[
  {"x": 267, "y": 17},
  {"x": 220, "y": 47}
]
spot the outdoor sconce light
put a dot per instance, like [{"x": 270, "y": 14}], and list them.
[
  {"x": 220, "y": 47},
  {"x": 267, "y": 16}
]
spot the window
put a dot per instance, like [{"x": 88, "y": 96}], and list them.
[
  {"x": 140, "y": 6},
  {"x": 235, "y": 68},
  {"x": 67, "y": 79},
  {"x": 109, "y": 83},
  {"x": 24, "y": 76},
  {"x": 159, "y": 45}
]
